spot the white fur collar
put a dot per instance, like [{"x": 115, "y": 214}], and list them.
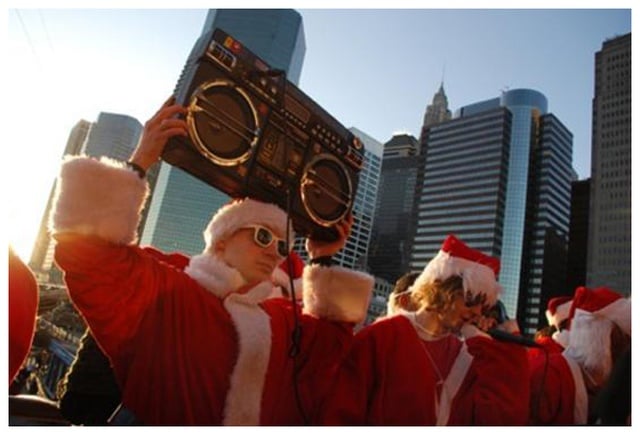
[
  {"x": 243, "y": 401},
  {"x": 214, "y": 274}
]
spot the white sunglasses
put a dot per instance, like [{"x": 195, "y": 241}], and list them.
[{"x": 264, "y": 238}]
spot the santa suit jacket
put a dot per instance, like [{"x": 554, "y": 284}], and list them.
[
  {"x": 186, "y": 348},
  {"x": 558, "y": 392},
  {"x": 388, "y": 379}
]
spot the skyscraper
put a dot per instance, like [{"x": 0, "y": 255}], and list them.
[
  {"x": 438, "y": 111},
  {"x": 396, "y": 206},
  {"x": 181, "y": 205},
  {"x": 609, "y": 242},
  {"x": 393, "y": 227},
  {"x": 578, "y": 235},
  {"x": 112, "y": 135},
  {"x": 276, "y": 35},
  {"x": 498, "y": 176},
  {"x": 355, "y": 253}
]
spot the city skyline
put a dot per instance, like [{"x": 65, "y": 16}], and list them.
[{"x": 70, "y": 65}]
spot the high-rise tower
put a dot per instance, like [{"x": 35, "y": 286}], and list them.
[
  {"x": 438, "y": 111},
  {"x": 393, "y": 227},
  {"x": 181, "y": 205},
  {"x": 498, "y": 175},
  {"x": 112, "y": 135},
  {"x": 609, "y": 241}
]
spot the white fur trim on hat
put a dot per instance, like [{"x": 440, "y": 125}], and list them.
[
  {"x": 239, "y": 214},
  {"x": 561, "y": 313},
  {"x": 336, "y": 293},
  {"x": 101, "y": 198},
  {"x": 476, "y": 278}
]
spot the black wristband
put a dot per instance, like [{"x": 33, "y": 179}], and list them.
[
  {"x": 322, "y": 261},
  {"x": 137, "y": 168}
]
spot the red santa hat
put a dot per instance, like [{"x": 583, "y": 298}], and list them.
[
  {"x": 558, "y": 310},
  {"x": 479, "y": 271},
  {"x": 242, "y": 212},
  {"x": 280, "y": 275},
  {"x": 593, "y": 314}
]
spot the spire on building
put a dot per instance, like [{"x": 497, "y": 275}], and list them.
[{"x": 438, "y": 111}]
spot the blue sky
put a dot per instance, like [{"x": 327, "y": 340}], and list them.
[{"x": 374, "y": 69}]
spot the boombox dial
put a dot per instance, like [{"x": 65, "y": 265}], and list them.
[
  {"x": 223, "y": 122},
  {"x": 326, "y": 190}
]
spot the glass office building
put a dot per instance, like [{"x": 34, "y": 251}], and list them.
[
  {"x": 276, "y": 35},
  {"x": 498, "y": 176},
  {"x": 393, "y": 228},
  {"x": 181, "y": 205}
]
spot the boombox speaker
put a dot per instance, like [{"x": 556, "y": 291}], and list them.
[{"x": 253, "y": 133}]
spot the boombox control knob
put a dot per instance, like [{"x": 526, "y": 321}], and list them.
[{"x": 357, "y": 143}]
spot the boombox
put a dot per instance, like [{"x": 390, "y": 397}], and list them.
[{"x": 253, "y": 133}]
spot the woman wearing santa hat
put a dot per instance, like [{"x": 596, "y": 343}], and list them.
[
  {"x": 201, "y": 344},
  {"x": 432, "y": 366},
  {"x": 564, "y": 385}
]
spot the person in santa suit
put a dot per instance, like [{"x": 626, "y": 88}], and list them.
[
  {"x": 555, "y": 336},
  {"x": 433, "y": 366},
  {"x": 23, "y": 309},
  {"x": 400, "y": 297},
  {"x": 564, "y": 385},
  {"x": 201, "y": 344}
]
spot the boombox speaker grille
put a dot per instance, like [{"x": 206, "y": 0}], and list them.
[
  {"x": 223, "y": 122},
  {"x": 326, "y": 190}
]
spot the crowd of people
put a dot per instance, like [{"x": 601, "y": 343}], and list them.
[{"x": 245, "y": 333}]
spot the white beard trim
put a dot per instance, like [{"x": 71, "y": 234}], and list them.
[{"x": 590, "y": 343}]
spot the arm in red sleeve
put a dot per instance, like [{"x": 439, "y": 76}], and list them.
[
  {"x": 501, "y": 386},
  {"x": 112, "y": 285}
]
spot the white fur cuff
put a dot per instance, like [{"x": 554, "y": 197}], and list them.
[
  {"x": 102, "y": 198},
  {"x": 336, "y": 293}
]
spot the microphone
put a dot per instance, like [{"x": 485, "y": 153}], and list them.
[{"x": 500, "y": 335}]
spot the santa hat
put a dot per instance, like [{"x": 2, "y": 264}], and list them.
[
  {"x": 593, "y": 314},
  {"x": 243, "y": 212},
  {"x": 478, "y": 271},
  {"x": 280, "y": 275},
  {"x": 558, "y": 310}
]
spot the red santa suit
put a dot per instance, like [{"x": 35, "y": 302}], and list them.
[
  {"x": 389, "y": 379},
  {"x": 559, "y": 394},
  {"x": 23, "y": 307},
  {"x": 396, "y": 376},
  {"x": 194, "y": 345}
]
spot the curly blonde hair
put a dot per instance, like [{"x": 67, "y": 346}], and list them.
[{"x": 438, "y": 295}]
